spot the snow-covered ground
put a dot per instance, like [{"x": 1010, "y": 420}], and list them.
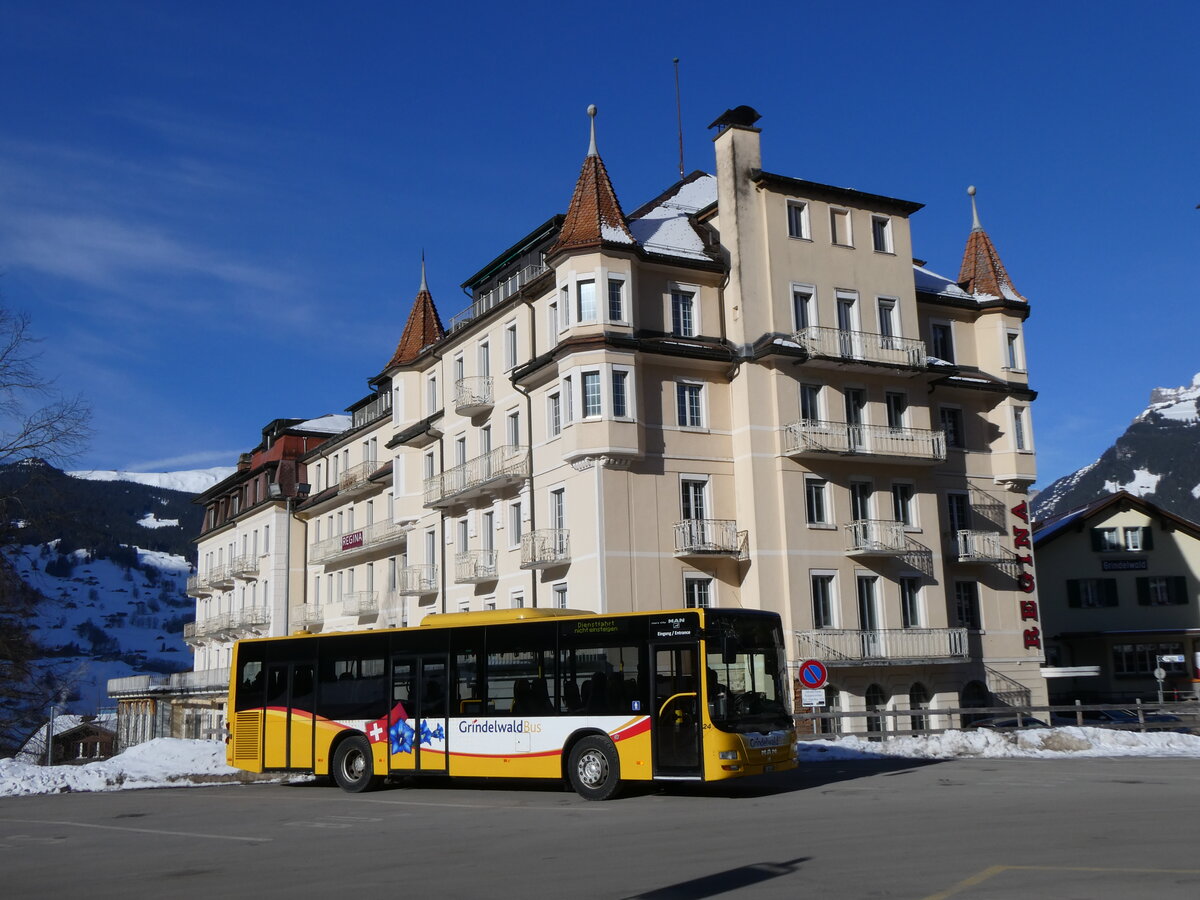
[
  {"x": 170, "y": 762},
  {"x": 193, "y": 481}
]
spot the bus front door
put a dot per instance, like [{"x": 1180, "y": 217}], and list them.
[
  {"x": 417, "y": 721},
  {"x": 676, "y": 731},
  {"x": 288, "y": 729}
]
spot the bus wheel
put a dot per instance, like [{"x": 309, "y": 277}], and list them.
[
  {"x": 594, "y": 768},
  {"x": 354, "y": 766}
]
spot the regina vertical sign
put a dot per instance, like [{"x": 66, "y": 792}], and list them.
[{"x": 1032, "y": 635}]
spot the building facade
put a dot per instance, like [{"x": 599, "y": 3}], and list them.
[{"x": 743, "y": 393}]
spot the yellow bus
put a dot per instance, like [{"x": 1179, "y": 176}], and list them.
[{"x": 687, "y": 695}]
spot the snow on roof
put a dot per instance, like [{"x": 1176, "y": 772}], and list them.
[
  {"x": 665, "y": 227},
  {"x": 933, "y": 283},
  {"x": 334, "y": 423}
]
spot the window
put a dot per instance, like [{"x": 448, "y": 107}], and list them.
[
  {"x": 1142, "y": 659},
  {"x": 512, "y": 428},
  {"x": 517, "y": 600},
  {"x": 803, "y": 314},
  {"x": 810, "y": 402},
  {"x": 966, "y": 604},
  {"x": 797, "y": 213},
  {"x": 591, "y": 394},
  {"x": 689, "y": 405},
  {"x": 896, "y": 404},
  {"x": 616, "y": 300},
  {"x": 1105, "y": 540},
  {"x": 918, "y": 698},
  {"x": 697, "y": 592},
  {"x": 887, "y": 324},
  {"x": 554, "y": 414},
  {"x": 902, "y": 503},
  {"x": 910, "y": 601},
  {"x": 692, "y": 503},
  {"x": 860, "y": 501},
  {"x": 839, "y": 227},
  {"x": 822, "y": 599},
  {"x": 1019, "y": 438},
  {"x": 558, "y": 508},
  {"x": 568, "y": 396},
  {"x": 683, "y": 319},
  {"x": 464, "y": 535},
  {"x": 560, "y": 596},
  {"x": 881, "y": 234},
  {"x": 460, "y": 368},
  {"x": 487, "y": 531},
  {"x": 942, "y": 343},
  {"x": 586, "y": 294},
  {"x": 815, "y": 505},
  {"x": 431, "y": 395},
  {"x": 510, "y": 346},
  {"x": 429, "y": 465},
  {"x": 552, "y": 321},
  {"x": 485, "y": 440},
  {"x": 460, "y": 450},
  {"x": 952, "y": 425},
  {"x": 958, "y": 512},
  {"x": 620, "y": 395},
  {"x": 1162, "y": 590},
  {"x": 1138, "y": 539},
  {"x": 564, "y": 308},
  {"x": 484, "y": 355},
  {"x": 1012, "y": 351},
  {"x": 1091, "y": 593},
  {"x": 514, "y": 524}
]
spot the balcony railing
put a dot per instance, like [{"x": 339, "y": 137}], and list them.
[
  {"x": 862, "y": 346},
  {"x": 981, "y": 547},
  {"x": 198, "y": 586},
  {"x": 244, "y": 567},
  {"x": 496, "y": 295},
  {"x": 190, "y": 634},
  {"x": 203, "y": 680},
  {"x": 372, "y": 537},
  {"x": 360, "y": 603},
  {"x": 308, "y": 614},
  {"x": 912, "y": 445},
  {"x": 376, "y": 409},
  {"x": 472, "y": 395},
  {"x": 545, "y": 547},
  {"x": 876, "y": 537},
  {"x": 501, "y": 467},
  {"x": 709, "y": 537},
  {"x": 474, "y": 566},
  {"x": 251, "y": 618},
  {"x": 836, "y": 646},
  {"x": 356, "y": 479},
  {"x": 417, "y": 580},
  {"x": 221, "y": 576}
]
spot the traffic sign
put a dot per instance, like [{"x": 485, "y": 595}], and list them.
[
  {"x": 812, "y": 698},
  {"x": 1160, "y": 673},
  {"x": 1171, "y": 658},
  {"x": 813, "y": 674}
]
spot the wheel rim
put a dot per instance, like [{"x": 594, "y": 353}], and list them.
[
  {"x": 593, "y": 768},
  {"x": 354, "y": 765}
]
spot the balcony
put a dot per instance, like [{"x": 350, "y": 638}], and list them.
[
  {"x": 475, "y": 566},
  {"x": 244, "y": 567},
  {"x": 376, "y": 409},
  {"x": 834, "y": 346},
  {"x": 910, "y": 446},
  {"x": 895, "y": 646},
  {"x": 876, "y": 537},
  {"x": 709, "y": 537},
  {"x": 545, "y": 548},
  {"x": 360, "y": 603},
  {"x": 198, "y": 587},
  {"x": 308, "y": 614},
  {"x": 191, "y": 636},
  {"x": 376, "y": 536},
  {"x": 496, "y": 296},
  {"x": 982, "y": 547},
  {"x": 482, "y": 475},
  {"x": 472, "y": 396},
  {"x": 221, "y": 577},
  {"x": 205, "y": 680},
  {"x": 414, "y": 581},
  {"x": 250, "y": 620},
  {"x": 357, "y": 479}
]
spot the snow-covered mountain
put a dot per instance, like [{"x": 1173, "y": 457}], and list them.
[
  {"x": 1158, "y": 457},
  {"x": 193, "y": 481}
]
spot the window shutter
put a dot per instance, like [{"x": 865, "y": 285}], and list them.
[
  {"x": 1147, "y": 538},
  {"x": 1110, "y": 592},
  {"x": 1178, "y": 587},
  {"x": 1097, "y": 540},
  {"x": 1073, "y": 593},
  {"x": 1143, "y": 591}
]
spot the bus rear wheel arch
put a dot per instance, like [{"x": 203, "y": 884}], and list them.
[
  {"x": 353, "y": 766},
  {"x": 594, "y": 768}
]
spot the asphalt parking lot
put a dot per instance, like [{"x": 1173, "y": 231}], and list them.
[{"x": 970, "y": 829}]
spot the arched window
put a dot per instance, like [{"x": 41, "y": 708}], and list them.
[
  {"x": 974, "y": 694},
  {"x": 918, "y": 698},
  {"x": 876, "y": 700}
]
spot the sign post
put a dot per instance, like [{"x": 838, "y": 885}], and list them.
[
  {"x": 1160, "y": 673},
  {"x": 813, "y": 676}
]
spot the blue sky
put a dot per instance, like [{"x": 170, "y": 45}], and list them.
[{"x": 215, "y": 212}]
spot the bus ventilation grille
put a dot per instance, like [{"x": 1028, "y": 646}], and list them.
[{"x": 248, "y": 735}]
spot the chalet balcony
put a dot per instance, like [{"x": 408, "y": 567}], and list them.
[
  {"x": 245, "y": 567},
  {"x": 374, "y": 537},
  {"x": 876, "y": 537},
  {"x": 497, "y": 295},
  {"x": 472, "y": 396},
  {"x": 983, "y": 547},
  {"x": 356, "y": 479},
  {"x": 710, "y": 537},
  {"x": 810, "y": 438},
  {"x": 415, "y": 581},
  {"x": 197, "y": 586},
  {"x": 481, "y": 476},
  {"x": 221, "y": 577},
  {"x": 360, "y": 603},
  {"x": 308, "y": 614},
  {"x": 893, "y": 646},
  {"x": 475, "y": 566},
  {"x": 545, "y": 548},
  {"x": 834, "y": 346}
]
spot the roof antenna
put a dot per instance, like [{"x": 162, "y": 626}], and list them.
[
  {"x": 975, "y": 226},
  {"x": 679, "y": 116}
]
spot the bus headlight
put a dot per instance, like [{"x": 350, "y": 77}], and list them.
[{"x": 727, "y": 754}]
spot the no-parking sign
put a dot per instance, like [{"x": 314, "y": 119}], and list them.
[{"x": 813, "y": 674}]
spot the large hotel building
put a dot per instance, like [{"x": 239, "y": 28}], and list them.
[{"x": 745, "y": 393}]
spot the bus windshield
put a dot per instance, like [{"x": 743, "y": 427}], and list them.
[{"x": 746, "y": 674}]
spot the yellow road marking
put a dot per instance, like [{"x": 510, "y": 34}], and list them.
[{"x": 992, "y": 871}]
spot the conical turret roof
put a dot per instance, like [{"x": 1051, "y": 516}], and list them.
[
  {"x": 424, "y": 326},
  {"x": 982, "y": 270},
  {"x": 594, "y": 216}
]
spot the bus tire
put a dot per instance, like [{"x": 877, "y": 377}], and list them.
[
  {"x": 354, "y": 766},
  {"x": 594, "y": 769}
]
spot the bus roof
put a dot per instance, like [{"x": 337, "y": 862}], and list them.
[{"x": 496, "y": 616}]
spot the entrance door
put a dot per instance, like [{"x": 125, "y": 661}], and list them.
[
  {"x": 848, "y": 338},
  {"x": 288, "y": 731},
  {"x": 676, "y": 732},
  {"x": 417, "y": 721},
  {"x": 868, "y": 617}
]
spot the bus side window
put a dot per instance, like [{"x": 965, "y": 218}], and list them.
[{"x": 250, "y": 686}]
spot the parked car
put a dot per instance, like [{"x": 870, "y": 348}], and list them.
[
  {"x": 1123, "y": 718},
  {"x": 1005, "y": 723}
]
